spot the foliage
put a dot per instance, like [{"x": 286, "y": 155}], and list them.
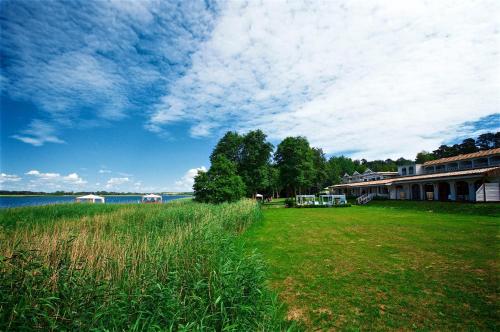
[
  {"x": 176, "y": 266},
  {"x": 219, "y": 184},
  {"x": 320, "y": 178},
  {"x": 254, "y": 165},
  {"x": 385, "y": 266},
  {"x": 424, "y": 156},
  {"x": 294, "y": 159},
  {"x": 251, "y": 154},
  {"x": 229, "y": 146},
  {"x": 290, "y": 202},
  {"x": 469, "y": 145}
]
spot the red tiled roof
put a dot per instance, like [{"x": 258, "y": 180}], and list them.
[{"x": 479, "y": 154}]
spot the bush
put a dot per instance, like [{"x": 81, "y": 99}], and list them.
[{"x": 290, "y": 202}]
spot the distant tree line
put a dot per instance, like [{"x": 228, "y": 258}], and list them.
[
  {"x": 61, "y": 193},
  {"x": 469, "y": 145},
  {"x": 244, "y": 165}
]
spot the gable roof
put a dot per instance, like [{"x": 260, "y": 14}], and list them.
[{"x": 479, "y": 154}]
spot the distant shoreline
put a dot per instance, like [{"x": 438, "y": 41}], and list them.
[{"x": 72, "y": 195}]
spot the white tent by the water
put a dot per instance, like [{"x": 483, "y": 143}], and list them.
[
  {"x": 152, "y": 198},
  {"x": 90, "y": 199}
]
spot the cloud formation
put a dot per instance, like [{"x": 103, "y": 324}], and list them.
[
  {"x": 85, "y": 63},
  {"x": 187, "y": 181},
  {"x": 9, "y": 178},
  {"x": 378, "y": 79},
  {"x": 38, "y": 133},
  {"x": 373, "y": 80},
  {"x": 54, "y": 181},
  {"x": 114, "y": 183}
]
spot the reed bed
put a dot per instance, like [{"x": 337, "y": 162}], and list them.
[{"x": 177, "y": 266}]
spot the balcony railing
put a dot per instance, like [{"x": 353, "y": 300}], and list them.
[{"x": 462, "y": 167}]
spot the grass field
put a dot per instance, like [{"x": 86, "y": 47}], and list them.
[
  {"x": 176, "y": 266},
  {"x": 386, "y": 265}
]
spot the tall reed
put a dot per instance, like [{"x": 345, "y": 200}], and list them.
[{"x": 175, "y": 266}]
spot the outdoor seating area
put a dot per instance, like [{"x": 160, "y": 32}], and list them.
[
  {"x": 152, "y": 198},
  {"x": 90, "y": 199},
  {"x": 321, "y": 200}
]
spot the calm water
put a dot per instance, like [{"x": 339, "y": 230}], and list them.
[{"x": 6, "y": 202}]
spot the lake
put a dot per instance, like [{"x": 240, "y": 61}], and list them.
[{"x": 16, "y": 201}]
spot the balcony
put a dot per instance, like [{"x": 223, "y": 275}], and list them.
[{"x": 463, "y": 165}]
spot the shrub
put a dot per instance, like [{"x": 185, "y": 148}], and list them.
[{"x": 290, "y": 202}]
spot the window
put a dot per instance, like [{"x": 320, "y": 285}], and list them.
[
  {"x": 410, "y": 170},
  {"x": 403, "y": 171}
]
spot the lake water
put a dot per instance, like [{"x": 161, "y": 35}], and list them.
[{"x": 16, "y": 201}]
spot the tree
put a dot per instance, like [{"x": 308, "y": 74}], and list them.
[
  {"x": 254, "y": 162},
  {"x": 294, "y": 159},
  {"x": 220, "y": 184},
  {"x": 274, "y": 181},
  {"x": 488, "y": 141},
  {"x": 468, "y": 146},
  {"x": 424, "y": 156},
  {"x": 320, "y": 169},
  {"x": 445, "y": 151},
  {"x": 229, "y": 146}
]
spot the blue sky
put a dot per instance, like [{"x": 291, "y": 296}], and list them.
[{"x": 133, "y": 95}]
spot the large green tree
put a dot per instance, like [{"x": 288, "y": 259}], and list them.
[
  {"x": 229, "y": 146},
  {"x": 220, "y": 183},
  {"x": 295, "y": 161},
  {"x": 488, "y": 141},
  {"x": 254, "y": 164},
  {"x": 320, "y": 178},
  {"x": 251, "y": 154}
]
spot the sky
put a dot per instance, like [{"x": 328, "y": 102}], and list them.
[{"x": 133, "y": 95}]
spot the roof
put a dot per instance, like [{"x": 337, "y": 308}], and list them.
[
  {"x": 90, "y": 197},
  {"x": 364, "y": 183},
  {"x": 479, "y": 154},
  {"x": 479, "y": 171},
  {"x": 151, "y": 196}
]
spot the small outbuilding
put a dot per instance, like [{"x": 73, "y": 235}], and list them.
[
  {"x": 90, "y": 199},
  {"x": 151, "y": 198}
]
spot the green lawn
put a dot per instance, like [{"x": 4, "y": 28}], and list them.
[{"x": 387, "y": 265}]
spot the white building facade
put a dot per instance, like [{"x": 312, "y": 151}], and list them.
[{"x": 467, "y": 177}]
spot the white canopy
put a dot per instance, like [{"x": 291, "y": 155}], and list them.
[
  {"x": 90, "y": 198},
  {"x": 151, "y": 196},
  {"x": 259, "y": 196}
]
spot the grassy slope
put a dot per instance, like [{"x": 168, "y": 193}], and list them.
[{"x": 388, "y": 265}]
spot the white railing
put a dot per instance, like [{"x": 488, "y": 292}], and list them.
[
  {"x": 363, "y": 199},
  {"x": 488, "y": 192}
]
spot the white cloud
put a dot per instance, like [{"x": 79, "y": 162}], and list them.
[
  {"x": 378, "y": 79},
  {"x": 38, "y": 133},
  {"x": 55, "y": 180},
  {"x": 104, "y": 171},
  {"x": 81, "y": 77},
  {"x": 187, "y": 181},
  {"x": 116, "y": 182},
  {"x": 9, "y": 178}
]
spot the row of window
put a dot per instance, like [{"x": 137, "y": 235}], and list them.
[{"x": 411, "y": 170}]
